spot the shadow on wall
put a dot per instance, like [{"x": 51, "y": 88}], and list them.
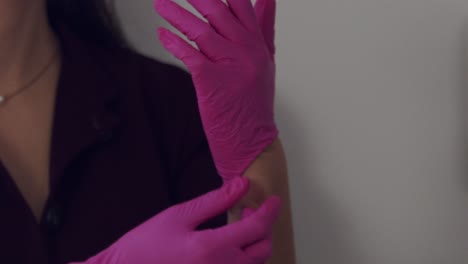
[
  {"x": 464, "y": 101},
  {"x": 322, "y": 233}
]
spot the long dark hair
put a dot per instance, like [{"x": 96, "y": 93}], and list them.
[{"x": 92, "y": 20}]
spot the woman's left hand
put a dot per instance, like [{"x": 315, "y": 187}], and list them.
[{"x": 233, "y": 71}]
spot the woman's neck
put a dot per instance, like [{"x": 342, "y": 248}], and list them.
[{"x": 26, "y": 41}]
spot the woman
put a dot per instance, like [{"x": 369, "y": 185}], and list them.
[{"x": 101, "y": 146}]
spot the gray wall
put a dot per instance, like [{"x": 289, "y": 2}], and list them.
[{"x": 371, "y": 110}]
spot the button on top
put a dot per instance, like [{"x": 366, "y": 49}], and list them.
[
  {"x": 104, "y": 125},
  {"x": 53, "y": 219},
  {"x": 106, "y": 135}
]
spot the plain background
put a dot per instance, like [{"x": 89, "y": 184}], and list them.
[{"x": 370, "y": 103}]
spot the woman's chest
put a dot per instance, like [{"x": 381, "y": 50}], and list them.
[
  {"x": 25, "y": 135},
  {"x": 111, "y": 185}
]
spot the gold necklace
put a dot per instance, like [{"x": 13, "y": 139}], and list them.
[{"x": 37, "y": 77}]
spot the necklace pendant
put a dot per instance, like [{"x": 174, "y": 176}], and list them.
[{"x": 2, "y": 100}]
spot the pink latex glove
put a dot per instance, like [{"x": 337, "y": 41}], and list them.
[
  {"x": 170, "y": 237},
  {"x": 233, "y": 71}
]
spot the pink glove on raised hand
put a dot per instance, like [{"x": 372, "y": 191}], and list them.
[
  {"x": 233, "y": 72},
  {"x": 170, "y": 237}
]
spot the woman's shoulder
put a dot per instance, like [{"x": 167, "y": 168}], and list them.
[
  {"x": 155, "y": 78},
  {"x": 160, "y": 82},
  {"x": 164, "y": 91},
  {"x": 123, "y": 66},
  {"x": 165, "y": 86},
  {"x": 148, "y": 71}
]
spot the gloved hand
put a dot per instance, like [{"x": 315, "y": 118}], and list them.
[
  {"x": 233, "y": 72},
  {"x": 170, "y": 237}
]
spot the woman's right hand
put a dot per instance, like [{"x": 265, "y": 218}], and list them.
[{"x": 171, "y": 236}]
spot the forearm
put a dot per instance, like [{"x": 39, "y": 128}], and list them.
[{"x": 268, "y": 176}]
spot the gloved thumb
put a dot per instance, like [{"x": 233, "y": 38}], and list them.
[{"x": 214, "y": 203}]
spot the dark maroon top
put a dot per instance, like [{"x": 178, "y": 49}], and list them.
[{"x": 127, "y": 143}]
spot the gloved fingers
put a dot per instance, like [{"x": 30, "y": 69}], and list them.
[
  {"x": 180, "y": 48},
  {"x": 246, "y": 212},
  {"x": 220, "y": 17},
  {"x": 253, "y": 228},
  {"x": 212, "y": 204},
  {"x": 207, "y": 39},
  {"x": 244, "y": 11},
  {"x": 265, "y": 11},
  {"x": 244, "y": 259},
  {"x": 260, "y": 251}
]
